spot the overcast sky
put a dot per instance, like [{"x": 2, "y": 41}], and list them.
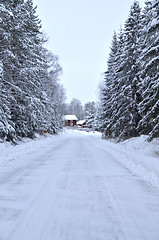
[{"x": 80, "y": 33}]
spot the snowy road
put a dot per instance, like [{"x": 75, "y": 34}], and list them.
[{"x": 74, "y": 189}]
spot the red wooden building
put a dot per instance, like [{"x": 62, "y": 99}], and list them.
[{"x": 70, "y": 120}]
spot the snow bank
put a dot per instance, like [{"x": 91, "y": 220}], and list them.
[
  {"x": 139, "y": 156},
  {"x": 19, "y": 153}
]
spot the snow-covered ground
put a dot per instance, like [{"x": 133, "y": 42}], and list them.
[{"x": 78, "y": 186}]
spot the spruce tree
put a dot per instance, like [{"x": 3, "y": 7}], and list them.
[
  {"x": 7, "y": 127},
  {"x": 90, "y": 113},
  {"x": 130, "y": 95},
  {"x": 149, "y": 107},
  {"x": 118, "y": 88},
  {"x": 108, "y": 89}
]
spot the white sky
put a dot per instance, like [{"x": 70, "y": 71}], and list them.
[{"x": 80, "y": 33}]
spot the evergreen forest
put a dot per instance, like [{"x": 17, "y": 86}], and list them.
[
  {"x": 31, "y": 95},
  {"x": 129, "y": 97}
]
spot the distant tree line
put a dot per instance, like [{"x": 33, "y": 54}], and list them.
[
  {"x": 129, "y": 97},
  {"x": 31, "y": 96}
]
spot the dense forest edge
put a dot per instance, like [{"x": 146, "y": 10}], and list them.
[
  {"x": 129, "y": 95},
  {"x": 31, "y": 95},
  {"x": 32, "y": 99}
]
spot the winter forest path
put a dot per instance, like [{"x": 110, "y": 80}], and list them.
[{"x": 76, "y": 191}]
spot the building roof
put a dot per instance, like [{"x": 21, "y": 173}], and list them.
[
  {"x": 70, "y": 117},
  {"x": 81, "y": 122}
]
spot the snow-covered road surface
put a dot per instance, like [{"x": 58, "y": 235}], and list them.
[{"x": 73, "y": 188}]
